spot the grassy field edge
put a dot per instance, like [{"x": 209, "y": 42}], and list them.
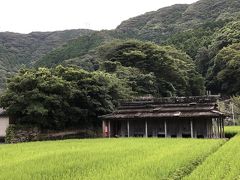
[
  {"x": 223, "y": 163},
  {"x": 187, "y": 170}
]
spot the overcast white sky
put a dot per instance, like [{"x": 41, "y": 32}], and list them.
[{"x": 25, "y": 16}]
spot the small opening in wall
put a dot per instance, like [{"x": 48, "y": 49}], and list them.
[
  {"x": 138, "y": 135},
  {"x": 2, "y": 140},
  {"x": 200, "y": 136},
  {"x": 161, "y": 135},
  {"x": 186, "y": 135}
]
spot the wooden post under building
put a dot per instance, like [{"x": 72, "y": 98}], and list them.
[
  {"x": 128, "y": 129},
  {"x": 146, "y": 129},
  {"x": 109, "y": 129},
  {"x": 165, "y": 128},
  {"x": 191, "y": 124}
]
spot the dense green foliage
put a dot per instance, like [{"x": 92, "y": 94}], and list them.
[
  {"x": 174, "y": 70},
  {"x": 141, "y": 83},
  {"x": 201, "y": 29},
  {"x": 73, "y": 49},
  {"x": 224, "y": 66},
  {"x": 236, "y": 108},
  {"x": 203, "y": 36},
  {"x": 62, "y": 97},
  {"x": 194, "y": 42},
  {"x": 22, "y": 50},
  {"x": 224, "y": 164},
  {"x": 225, "y": 73},
  {"x": 105, "y": 158}
]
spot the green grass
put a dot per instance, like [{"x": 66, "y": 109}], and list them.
[
  {"x": 232, "y": 129},
  {"x": 138, "y": 158},
  {"x": 223, "y": 164}
]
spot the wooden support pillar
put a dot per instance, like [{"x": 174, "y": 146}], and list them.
[
  {"x": 165, "y": 128},
  {"x": 109, "y": 129},
  {"x": 218, "y": 128},
  {"x": 214, "y": 128},
  {"x": 191, "y": 124},
  {"x": 223, "y": 127},
  {"x": 210, "y": 128},
  {"x": 146, "y": 129},
  {"x": 222, "y": 132},
  {"x": 128, "y": 132},
  {"x": 207, "y": 129},
  {"x": 103, "y": 128}
]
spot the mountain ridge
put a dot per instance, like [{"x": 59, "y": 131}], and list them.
[
  {"x": 17, "y": 50},
  {"x": 188, "y": 27}
]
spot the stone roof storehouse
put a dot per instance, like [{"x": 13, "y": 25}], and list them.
[{"x": 196, "y": 117}]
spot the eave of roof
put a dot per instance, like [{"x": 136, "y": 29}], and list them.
[
  {"x": 211, "y": 114},
  {"x": 181, "y": 107}
]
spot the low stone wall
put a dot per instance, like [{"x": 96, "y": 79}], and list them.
[{"x": 17, "y": 134}]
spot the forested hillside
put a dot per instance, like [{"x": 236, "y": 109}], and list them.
[
  {"x": 203, "y": 30},
  {"x": 181, "y": 50},
  {"x": 22, "y": 50}
]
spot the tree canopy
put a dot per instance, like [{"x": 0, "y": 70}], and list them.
[
  {"x": 62, "y": 97},
  {"x": 174, "y": 70},
  {"x": 224, "y": 76}
]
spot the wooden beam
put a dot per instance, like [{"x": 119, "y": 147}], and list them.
[
  {"x": 191, "y": 124},
  {"x": 128, "y": 128},
  {"x": 165, "y": 128},
  {"x": 146, "y": 129}
]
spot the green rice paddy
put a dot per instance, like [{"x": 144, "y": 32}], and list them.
[
  {"x": 232, "y": 130},
  {"x": 224, "y": 164},
  {"x": 123, "y": 159},
  {"x": 134, "y": 158}
]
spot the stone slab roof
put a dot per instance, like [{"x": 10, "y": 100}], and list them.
[{"x": 183, "y": 107}]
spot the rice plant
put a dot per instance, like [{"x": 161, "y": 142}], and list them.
[
  {"x": 126, "y": 158},
  {"x": 224, "y": 164}
]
